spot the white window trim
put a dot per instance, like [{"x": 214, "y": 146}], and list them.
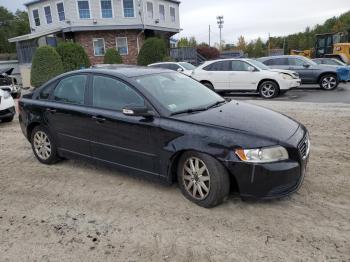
[
  {"x": 78, "y": 15},
  {"x": 149, "y": 1},
  {"x": 34, "y": 17},
  {"x": 64, "y": 11},
  {"x": 45, "y": 14},
  {"x": 104, "y": 46},
  {"x": 127, "y": 44},
  {"x": 101, "y": 11},
  {"x": 159, "y": 12},
  {"x": 131, "y": 17},
  {"x": 172, "y": 6}
]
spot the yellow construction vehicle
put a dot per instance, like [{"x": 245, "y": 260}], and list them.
[{"x": 306, "y": 53}]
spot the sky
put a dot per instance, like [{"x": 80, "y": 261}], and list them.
[{"x": 250, "y": 18}]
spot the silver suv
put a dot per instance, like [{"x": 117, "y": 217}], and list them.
[{"x": 309, "y": 72}]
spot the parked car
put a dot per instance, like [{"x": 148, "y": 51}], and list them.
[
  {"x": 167, "y": 126},
  {"x": 327, "y": 77},
  {"x": 344, "y": 74},
  {"x": 9, "y": 83},
  {"x": 7, "y": 107},
  {"x": 181, "y": 67},
  {"x": 246, "y": 75}
]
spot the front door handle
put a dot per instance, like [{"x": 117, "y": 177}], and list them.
[
  {"x": 50, "y": 110},
  {"x": 99, "y": 119}
]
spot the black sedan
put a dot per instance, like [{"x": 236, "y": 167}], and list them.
[{"x": 166, "y": 125}]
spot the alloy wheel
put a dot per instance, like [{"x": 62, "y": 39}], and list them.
[
  {"x": 42, "y": 145},
  {"x": 268, "y": 90},
  {"x": 329, "y": 82},
  {"x": 196, "y": 178}
]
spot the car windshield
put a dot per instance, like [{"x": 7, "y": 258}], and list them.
[
  {"x": 179, "y": 93},
  {"x": 187, "y": 66},
  {"x": 259, "y": 64}
]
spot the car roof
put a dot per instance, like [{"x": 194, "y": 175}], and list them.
[
  {"x": 279, "y": 56},
  {"x": 125, "y": 71}
]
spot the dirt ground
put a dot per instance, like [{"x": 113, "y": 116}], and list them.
[{"x": 74, "y": 211}]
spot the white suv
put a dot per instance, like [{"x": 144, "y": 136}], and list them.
[
  {"x": 247, "y": 75},
  {"x": 7, "y": 106}
]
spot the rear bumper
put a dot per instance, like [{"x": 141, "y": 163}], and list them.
[{"x": 9, "y": 112}]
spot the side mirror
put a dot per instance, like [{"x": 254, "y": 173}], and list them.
[
  {"x": 306, "y": 65},
  {"x": 142, "y": 111},
  {"x": 180, "y": 70},
  {"x": 251, "y": 69}
]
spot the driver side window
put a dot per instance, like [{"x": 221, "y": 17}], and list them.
[
  {"x": 110, "y": 93},
  {"x": 240, "y": 66}
]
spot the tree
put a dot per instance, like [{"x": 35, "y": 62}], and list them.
[
  {"x": 112, "y": 56},
  {"x": 12, "y": 25},
  {"x": 208, "y": 52},
  {"x": 187, "y": 42},
  {"x": 153, "y": 50},
  {"x": 46, "y": 64},
  {"x": 73, "y": 56},
  {"x": 241, "y": 44}
]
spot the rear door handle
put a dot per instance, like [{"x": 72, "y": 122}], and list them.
[
  {"x": 99, "y": 119},
  {"x": 50, "y": 110}
]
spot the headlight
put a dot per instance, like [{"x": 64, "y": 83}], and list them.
[
  {"x": 286, "y": 76},
  {"x": 263, "y": 155},
  {"x": 6, "y": 95}
]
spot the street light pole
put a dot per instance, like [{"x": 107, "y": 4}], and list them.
[{"x": 220, "y": 20}]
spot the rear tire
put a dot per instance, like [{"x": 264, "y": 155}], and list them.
[
  {"x": 205, "y": 182},
  {"x": 7, "y": 119},
  {"x": 43, "y": 146},
  {"x": 269, "y": 89},
  {"x": 329, "y": 82}
]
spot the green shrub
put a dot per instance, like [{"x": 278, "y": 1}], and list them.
[
  {"x": 153, "y": 50},
  {"x": 73, "y": 56},
  {"x": 112, "y": 56},
  {"x": 46, "y": 64}
]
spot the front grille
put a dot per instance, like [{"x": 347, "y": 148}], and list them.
[{"x": 304, "y": 147}]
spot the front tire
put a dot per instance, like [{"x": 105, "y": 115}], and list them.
[
  {"x": 43, "y": 146},
  {"x": 329, "y": 82},
  {"x": 202, "y": 179},
  {"x": 268, "y": 89}
]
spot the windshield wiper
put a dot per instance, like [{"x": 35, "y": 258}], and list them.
[
  {"x": 189, "y": 111},
  {"x": 216, "y": 104}
]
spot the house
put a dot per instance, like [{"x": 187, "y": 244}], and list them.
[{"x": 97, "y": 25}]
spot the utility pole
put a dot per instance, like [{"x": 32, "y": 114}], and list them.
[
  {"x": 209, "y": 35},
  {"x": 220, "y": 20}
]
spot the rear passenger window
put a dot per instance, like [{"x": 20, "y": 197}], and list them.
[
  {"x": 219, "y": 66},
  {"x": 71, "y": 90},
  {"x": 109, "y": 93}
]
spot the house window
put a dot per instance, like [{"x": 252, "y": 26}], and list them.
[
  {"x": 172, "y": 14},
  {"x": 150, "y": 10},
  {"x": 36, "y": 17},
  {"x": 122, "y": 45},
  {"x": 106, "y": 9},
  {"x": 60, "y": 11},
  {"x": 84, "y": 9},
  {"x": 161, "y": 13},
  {"x": 48, "y": 16},
  {"x": 99, "y": 46},
  {"x": 128, "y": 6}
]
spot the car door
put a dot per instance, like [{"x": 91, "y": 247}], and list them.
[
  {"x": 305, "y": 70},
  {"x": 126, "y": 141},
  {"x": 218, "y": 73},
  {"x": 66, "y": 115},
  {"x": 241, "y": 78}
]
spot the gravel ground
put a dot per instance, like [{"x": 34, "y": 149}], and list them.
[{"x": 74, "y": 211}]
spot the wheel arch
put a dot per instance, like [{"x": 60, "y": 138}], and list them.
[
  {"x": 30, "y": 129},
  {"x": 267, "y": 79},
  {"x": 206, "y": 81},
  {"x": 327, "y": 73}
]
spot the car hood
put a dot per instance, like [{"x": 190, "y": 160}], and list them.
[
  {"x": 283, "y": 71},
  {"x": 246, "y": 118}
]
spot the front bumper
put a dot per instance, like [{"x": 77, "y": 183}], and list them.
[
  {"x": 276, "y": 179},
  {"x": 290, "y": 84},
  {"x": 9, "y": 112}
]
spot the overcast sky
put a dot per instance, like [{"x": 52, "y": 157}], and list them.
[{"x": 251, "y": 18}]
